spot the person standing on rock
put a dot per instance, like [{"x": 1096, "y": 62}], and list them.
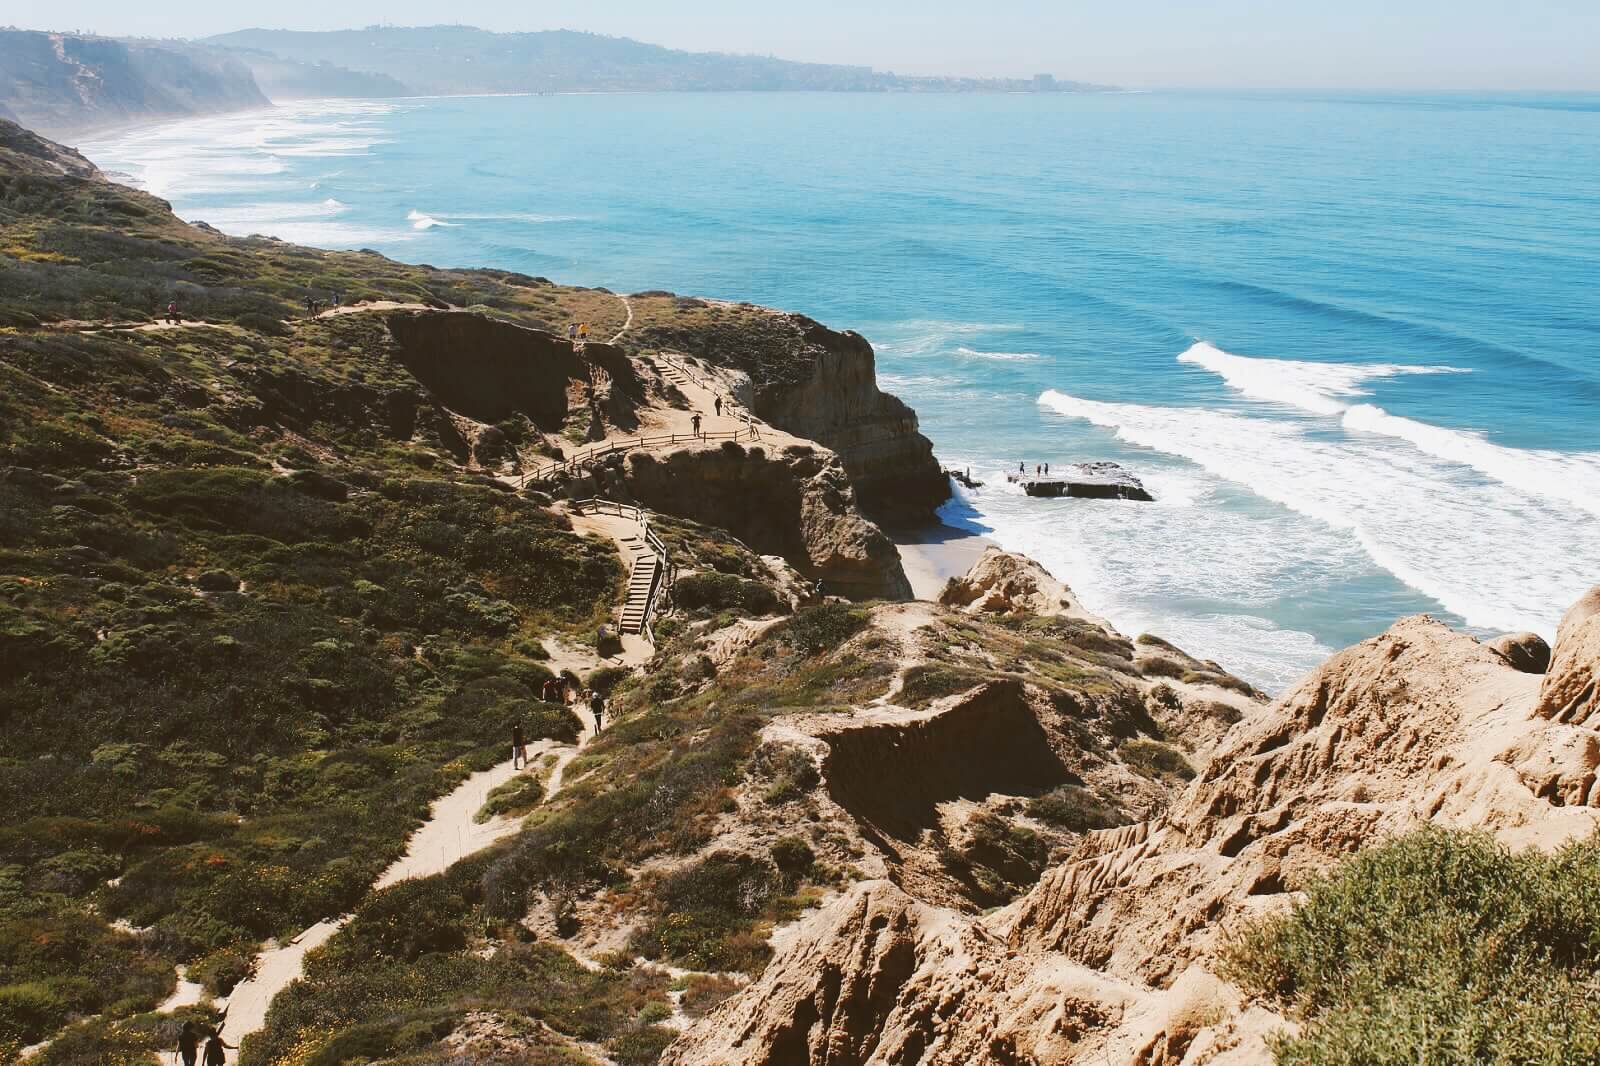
[
  {"x": 695, "y": 422},
  {"x": 597, "y": 707},
  {"x": 1047, "y": 470},
  {"x": 519, "y": 748}
]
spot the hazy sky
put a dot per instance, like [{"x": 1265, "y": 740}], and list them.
[{"x": 1252, "y": 43}]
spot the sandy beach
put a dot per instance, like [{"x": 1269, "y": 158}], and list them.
[{"x": 935, "y": 554}]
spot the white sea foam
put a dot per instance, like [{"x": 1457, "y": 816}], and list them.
[
  {"x": 1133, "y": 562},
  {"x": 1435, "y": 525},
  {"x": 1573, "y": 477},
  {"x": 421, "y": 221},
  {"x": 1000, "y": 357},
  {"x": 1321, "y": 388}
]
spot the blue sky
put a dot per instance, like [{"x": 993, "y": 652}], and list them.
[{"x": 1464, "y": 44}]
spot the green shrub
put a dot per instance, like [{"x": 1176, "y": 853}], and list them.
[
  {"x": 641, "y": 1047},
  {"x": 927, "y": 682},
  {"x": 1153, "y": 758},
  {"x": 825, "y": 627},
  {"x": 1439, "y": 946},
  {"x": 221, "y": 970},
  {"x": 713, "y": 592},
  {"x": 518, "y": 796},
  {"x": 1075, "y": 808}
]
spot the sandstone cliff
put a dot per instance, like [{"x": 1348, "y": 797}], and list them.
[
  {"x": 816, "y": 383},
  {"x": 60, "y": 82},
  {"x": 1112, "y": 957}
]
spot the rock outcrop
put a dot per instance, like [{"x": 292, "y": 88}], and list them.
[
  {"x": 489, "y": 369},
  {"x": 1527, "y": 652},
  {"x": 1003, "y": 582},
  {"x": 1571, "y": 691},
  {"x": 819, "y": 384},
  {"x": 1111, "y": 958},
  {"x": 798, "y": 504}
]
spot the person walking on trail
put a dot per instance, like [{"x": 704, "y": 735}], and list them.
[
  {"x": 217, "y": 1050},
  {"x": 717, "y": 403},
  {"x": 583, "y": 333},
  {"x": 188, "y": 1043},
  {"x": 572, "y": 331},
  {"x": 519, "y": 748},
  {"x": 597, "y": 707},
  {"x": 172, "y": 313},
  {"x": 695, "y": 422}
]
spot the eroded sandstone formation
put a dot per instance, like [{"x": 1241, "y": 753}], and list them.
[
  {"x": 798, "y": 504},
  {"x": 1112, "y": 957}
]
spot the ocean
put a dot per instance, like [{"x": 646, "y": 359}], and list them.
[{"x": 1350, "y": 341}]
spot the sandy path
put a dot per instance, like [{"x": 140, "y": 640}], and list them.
[
  {"x": 626, "y": 325},
  {"x": 448, "y": 836},
  {"x": 372, "y": 305}
]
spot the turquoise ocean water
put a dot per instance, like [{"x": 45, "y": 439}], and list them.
[{"x": 1351, "y": 341}]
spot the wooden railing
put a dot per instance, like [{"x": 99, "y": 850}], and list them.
[
  {"x": 666, "y": 573},
  {"x": 576, "y": 463}
]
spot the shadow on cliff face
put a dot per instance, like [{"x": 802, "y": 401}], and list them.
[
  {"x": 893, "y": 775},
  {"x": 488, "y": 370}
]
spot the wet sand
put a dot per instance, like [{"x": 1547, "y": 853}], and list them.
[{"x": 935, "y": 554}]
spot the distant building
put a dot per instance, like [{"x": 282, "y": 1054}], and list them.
[{"x": 1045, "y": 83}]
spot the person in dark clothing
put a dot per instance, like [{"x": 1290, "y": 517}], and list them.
[
  {"x": 519, "y": 747},
  {"x": 1047, "y": 470},
  {"x": 718, "y": 404},
  {"x": 1022, "y": 468},
  {"x": 695, "y": 421},
  {"x": 217, "y": 1050},
  {"x": 188, "y": 1043},
  {"x": 597, "y": 706}
]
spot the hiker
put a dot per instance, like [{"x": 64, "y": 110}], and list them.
[
  {"x": 188, "y": 1043},
  {"x": 583, "y": 332},
  {"x": 718, "y": 404},
  {"x": 519, "y": 747},
  {"x": 818, "y": 589},
  {"x": 695, "y": 421},
  {"x": 217, "y": 1050},
  {"x": 1047, "y": 470},
  {"x": 572, "y": 332},
  {"x": 597, "y": 706},
  {"x": 172, "y": 313},
  {"x": 311, "y": 306}
]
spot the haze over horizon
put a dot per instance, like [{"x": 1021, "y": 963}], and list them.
[{"x": 1364, "y": 44}]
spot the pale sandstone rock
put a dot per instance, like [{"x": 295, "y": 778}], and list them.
[
  {"x": 1003, "y": 582},
  {"x": 1110, "y": 959},
  {"x": 1571, "y": 691}
]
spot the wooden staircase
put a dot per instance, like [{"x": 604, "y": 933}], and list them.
[{"x": 643, "y": 573}]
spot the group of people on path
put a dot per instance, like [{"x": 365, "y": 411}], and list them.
[
  {"x": 314, "y": 306},
  {"x": 578, "y": 332},
  {"x": 563, "y": 694},
  {"x": 216, "y": 1051},
  {"x": 1039, "y": 469}
]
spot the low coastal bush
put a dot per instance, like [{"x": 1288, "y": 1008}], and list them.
[
  {"x": 711, "y": 592},
  {"x": 1075, "y": 808},
  {"x": 1155, "y": 758},
  {"x": 1439, "y": 946}
]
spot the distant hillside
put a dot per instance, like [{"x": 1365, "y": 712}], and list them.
[
  {"x": 59, "y": 82},
  {"x": 461, "y": 59},
  {"x": 289, "y": 79}
]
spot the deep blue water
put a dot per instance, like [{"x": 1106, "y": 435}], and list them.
[{"x": 1386, "y": 307}]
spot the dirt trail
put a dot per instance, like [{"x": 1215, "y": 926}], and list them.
[
  {"x": 373, "y": 305},
  {"x": 626, "y": 325},
  {"x": 151, "y": 327},
  {"x": 448, "y": 836}
]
